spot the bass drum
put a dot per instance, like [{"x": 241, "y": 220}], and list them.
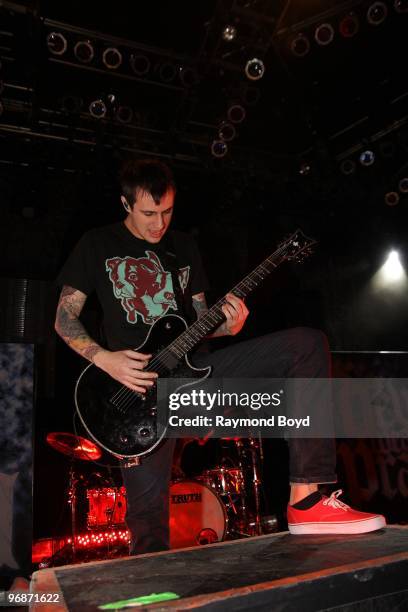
[{"x": 197, "y": 515}]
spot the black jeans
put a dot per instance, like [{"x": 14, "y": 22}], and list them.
[{"x": 300, "y": 352}]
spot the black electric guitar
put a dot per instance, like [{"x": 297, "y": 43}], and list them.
[{"x": 124, "y": 422}]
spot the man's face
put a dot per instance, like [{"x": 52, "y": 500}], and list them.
[{"x": 148, "y": 220}]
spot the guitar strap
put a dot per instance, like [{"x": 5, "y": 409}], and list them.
[{"x": 172, "y": 258}]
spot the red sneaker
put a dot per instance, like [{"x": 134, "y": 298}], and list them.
[{"x": 330, "y": 515}]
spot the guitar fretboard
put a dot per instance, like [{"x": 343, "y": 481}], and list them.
[{"x": 215, "y": 316}]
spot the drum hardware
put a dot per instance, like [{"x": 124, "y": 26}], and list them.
[
  {"x": 197, "y": 514},
  {"x": 75, "y": 447}
]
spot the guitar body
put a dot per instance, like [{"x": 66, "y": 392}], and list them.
[{"x": 122, "y": 421}]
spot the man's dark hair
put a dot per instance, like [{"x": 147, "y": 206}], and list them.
[{"x": 147, "y": 175}]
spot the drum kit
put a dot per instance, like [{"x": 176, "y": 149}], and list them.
[{"x": 218, "y": 504}]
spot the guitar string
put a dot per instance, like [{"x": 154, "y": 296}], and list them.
[
  {"x": 129, "y": 393},
  {"x": 126, "y": 395}
]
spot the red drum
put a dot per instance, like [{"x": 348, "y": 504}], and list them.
[
  {"x": 225, "y": 481},
  {"x": 197, "y": 515},
  {"x": 107, "y": 507}
]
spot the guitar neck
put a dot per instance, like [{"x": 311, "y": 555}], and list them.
[{"x": 215, "y": 316}]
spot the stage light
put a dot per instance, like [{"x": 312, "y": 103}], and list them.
[
  {"x": 84, "y": 51},
  {"x": 324, "y": 34},
  {"x": 391, "y": 198},
  {"x": 219, "y": 148},
  {"x": 226, "y": 131},
  {"x": 124, "y": 114},
  {"x": 167, "y": 72},
  {"x": 56, "y": 43},
  {"x": 229, "y": 33},
  {"x": 377, "y": 13},
  {"x": 254, "y": 69},
  {"x": 300, "y": 45},
  {"x": 112, "y": 58},
  {"x": 236, "y": 113},
  {"x": 140, "y": 64},
  {"x": 367, "y": 158},
  {"x": 349, "y": 26},
  {"x": 392, "y": 269},
  {"x": 401, "y": 6},
  {"x": 348, "y": 166},
  {"x": 403, "y": 185},
  {"x": 304, "y": 168},
  {"x": 98, "y": 109}
]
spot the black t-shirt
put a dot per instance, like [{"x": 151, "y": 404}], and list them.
[{"x": 133, "y": 279}]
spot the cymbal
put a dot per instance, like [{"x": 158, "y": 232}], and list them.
[{"x": 74, "y": 446}]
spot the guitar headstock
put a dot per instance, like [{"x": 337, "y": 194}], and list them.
[{"x": 297, "y": 247}]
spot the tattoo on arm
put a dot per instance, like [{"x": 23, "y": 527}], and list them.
[
  {"x": 200, "y": 304},
  {"x": 68, "y": 325}
]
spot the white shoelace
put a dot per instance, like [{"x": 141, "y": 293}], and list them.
[{"x": 334, "y": 501}]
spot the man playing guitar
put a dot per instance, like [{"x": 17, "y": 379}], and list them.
[{"x": 141, "y": 270}]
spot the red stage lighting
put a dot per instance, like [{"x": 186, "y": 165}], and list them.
[{"x": 349, "y": 26}]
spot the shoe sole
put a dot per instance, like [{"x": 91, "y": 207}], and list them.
[{"x": 363, "y": 526}]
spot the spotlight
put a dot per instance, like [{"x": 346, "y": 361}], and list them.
[
  {"x": 348, "y": 166},
  {"x": 391, "y": 198},
  {"x": 112, "y": 58},
  {"x": 140, "y": 64},
  {"x": 392, "y": 270},
  {"x": 304, "y": 168},
  {"x": 84, "y": 51},
  {"x": 300, "y": 45},
  {"x": 98, "y": 109},
  {"x": 367, "y": 158},
  {"x": 349, "y": 26},
  {"x": 56, "y": 43},
  {"x": 188, "y": 76},
  {"x": 401, "y": 6},
  {"x": 236, "y": 113},
  {"x": 254, "y": 69},
  {"x": 403, "y": 185},
  {"x": 167, "y": 72},
  {"x": 229, "y": 33},
  {"x": 219, "y": 148},
  {"x": 324, "y": 34},
  {"x": 124, "y": 114},
  {"x": 377, "y": 13},
  {"x": 226, "y": 131}
]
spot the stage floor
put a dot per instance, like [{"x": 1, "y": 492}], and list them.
[{"x": 273, "y": 572}]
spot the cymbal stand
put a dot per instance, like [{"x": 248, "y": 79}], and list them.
[
  {"x": 254, "y": 447},
  {"x": 244, "y": 512},
  {"x": 72, "y": 500}
]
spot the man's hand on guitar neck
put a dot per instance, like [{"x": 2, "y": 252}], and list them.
[
  {"x": 234, "y": 310},
  {"x": 127, "y": 367}
]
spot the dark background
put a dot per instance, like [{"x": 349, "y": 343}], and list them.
[{"x": 58, "y": 164}]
